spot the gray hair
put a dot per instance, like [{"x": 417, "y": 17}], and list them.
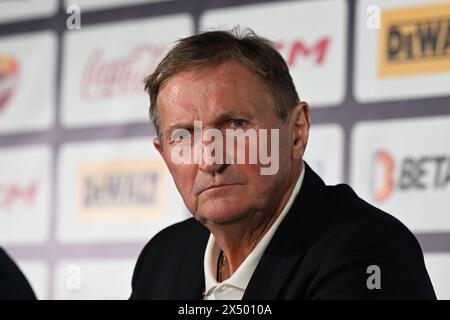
[{"x": 209, "y": 49}]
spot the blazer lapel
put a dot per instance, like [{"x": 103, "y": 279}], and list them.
[{"x": 288, "y": 244}]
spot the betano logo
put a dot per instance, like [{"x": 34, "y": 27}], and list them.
[
  {"x": 382, "y": 175},
  {"x": 415, "y": 40},
  {"x": 8, "y": 79},
  {"x": 121, "y": 189},
  {"x": 418, "y": 173}
]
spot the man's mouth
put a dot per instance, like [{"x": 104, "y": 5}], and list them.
[{"x": 217, "y": 186}]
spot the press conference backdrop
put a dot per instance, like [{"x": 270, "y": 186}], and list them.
[{"x": 81, "y": 186}]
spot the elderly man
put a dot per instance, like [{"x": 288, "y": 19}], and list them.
[{"x": 255, "y": 234}]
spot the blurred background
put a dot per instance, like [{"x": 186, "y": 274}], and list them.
[{"x": 81, "y": 187}]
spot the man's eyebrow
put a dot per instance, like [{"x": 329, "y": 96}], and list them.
[
  {"x": 181, "y": 125},
  {"x": 188, "y": 125}
]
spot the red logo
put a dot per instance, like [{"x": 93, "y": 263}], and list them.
[
  {"x": 8, "y": 79},
  {"x": 297, "y": 48},
  {"x": 107, "y": 78},
  {"x": 383, "y": 176},
  {"x": 11, "y": 194}
]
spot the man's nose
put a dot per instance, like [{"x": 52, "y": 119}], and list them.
[
  {"x": 212, "y": 162},
  {"x": 211, "y": 168}
]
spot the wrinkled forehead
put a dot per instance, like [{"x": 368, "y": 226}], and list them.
[
  {"x": 228, "y": 87},
  {"x": 229, "y": 74}
]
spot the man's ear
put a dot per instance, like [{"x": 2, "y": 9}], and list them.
[
  {"x": 158, "y": 145},
  {"x": 301, "y": 122}
]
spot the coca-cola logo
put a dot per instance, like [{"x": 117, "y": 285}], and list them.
[
  {"x": 104, "y": 77},
  {"x": 8, "y": 79}
]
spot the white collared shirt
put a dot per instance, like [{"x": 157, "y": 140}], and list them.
[{"x": 234, "y": 287}]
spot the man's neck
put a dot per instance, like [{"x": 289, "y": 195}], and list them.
[{"x": 237, "y": 240}]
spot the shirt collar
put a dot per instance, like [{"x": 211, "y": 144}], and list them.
[{"x": 241, "y": 277}]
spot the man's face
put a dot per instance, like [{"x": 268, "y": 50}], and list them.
[{"x": 228, "y": 96}]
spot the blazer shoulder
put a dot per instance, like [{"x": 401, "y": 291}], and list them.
[
  {"x": 14, "y": 285},
  {"x": 347, "y": 206},
  {"x": 347, "y": 221},
  {"x": 176, "y": 232},
  {"x": 347, "y": 217},
  {"x": 356, "y": 236},
  {"x": 179, "y": 236},
  {"x": 172, "y": 246}
]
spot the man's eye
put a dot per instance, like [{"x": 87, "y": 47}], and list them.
[
  {"x": 238, "y": 123},
  {"x": 180, "y": 135}
]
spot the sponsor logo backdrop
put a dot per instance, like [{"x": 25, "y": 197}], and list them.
[{"x": 81, "y": 187}]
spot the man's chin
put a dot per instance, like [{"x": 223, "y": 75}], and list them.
[{"x": 220, "y": 217}]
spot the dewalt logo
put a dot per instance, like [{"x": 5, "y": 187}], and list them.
[
  {"x": 414, "y": 40},
  {"x": 120, "y": 189}
]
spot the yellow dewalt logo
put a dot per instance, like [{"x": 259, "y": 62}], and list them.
[
  {"x": 121, "y": 189},
  {"x": 415, "y": 41}
]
